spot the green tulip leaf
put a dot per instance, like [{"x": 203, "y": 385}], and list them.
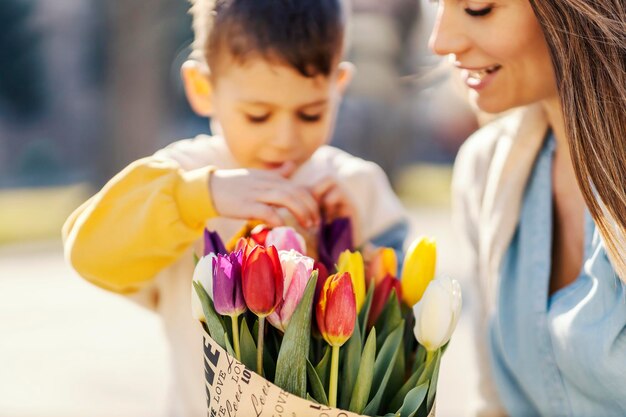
[
  {"x": 247, "y": 345},
  {"x": 365, "y": 310},
  {"x": 382, "y": 370},
  {"x": 432, "y": 390},
  {"x": 323, "y": 368},
  {"x": 411, "y": 383},
  {"x": 413, "y": 400},
  {"x": 229, "y": 348},
  {"x": 316, "y": 384},
  {"x": 420, "y": 357},
  {"x": 389, "y": 318},
  {"x": 361, "y": 391},
  {"x": 213, "y": 320},
  {"x": 351, "y": 359},
  {"x": 396, "y": 379},
  {"x": 291, "y": 372}
]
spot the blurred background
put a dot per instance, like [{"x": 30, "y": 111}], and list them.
[{"x": 86, "y": 87}]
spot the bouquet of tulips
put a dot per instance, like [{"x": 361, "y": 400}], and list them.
[{"x": 344, "y": 332}]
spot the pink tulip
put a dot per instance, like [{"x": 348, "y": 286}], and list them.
[
  {"x": 286, "y": 238},
  {"x": 297, "y": 269}
]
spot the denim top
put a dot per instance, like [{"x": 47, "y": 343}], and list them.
[{"x": 565, "y": 354}]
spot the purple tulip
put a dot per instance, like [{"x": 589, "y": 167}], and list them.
[
  {"x": 213, "y": 243},
  {"x": 335, "y": 237},
  {"x": 227, "y": 289}
]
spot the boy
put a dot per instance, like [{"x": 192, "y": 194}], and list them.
[{"x": 268, "y": 73}]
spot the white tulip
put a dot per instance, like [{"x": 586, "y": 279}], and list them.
[
  {"x": 437, "y": 313},
  {"x": 203, "y": 274}
]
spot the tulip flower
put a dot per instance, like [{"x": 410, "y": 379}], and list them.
[
  {"x": 384, "y": 262},
  {"x": 262, "y": 279},
  {"x": 245, "y": 245},
  {"x": 352, "y": 262},
  {"x": 381, "y": 295},
  {"x": 259, "y": 234},
  {"x": 297, "y": 270},
  {"x": 335, "y": 238},
  {"x": 203, "y": 274},
  {"x": 286, "y": 238},
  {"x": 321, "y": 280},
  {"x": 418, "y": 269},
  {"x": 335, "y": 313},
  {"x": 437, "y": 313},
  {"x": 227, "y": 294},
  {"x": 213, "y": 243}
]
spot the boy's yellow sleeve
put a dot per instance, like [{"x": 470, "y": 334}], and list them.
[{"x": 139, "y": 223}]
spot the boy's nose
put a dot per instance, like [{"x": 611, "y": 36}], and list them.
[
  {"x": 448, "y": 35},
  {"x": 285, "y": 137}
]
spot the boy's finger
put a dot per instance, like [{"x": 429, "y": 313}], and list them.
[
  {"x": 266, "y": 213},
  {"x": 283, "y": 198},
  {"x": 286, "y": 170},
  {"x": 305, "y": 196},
  {"x": 323, "y": 187}
]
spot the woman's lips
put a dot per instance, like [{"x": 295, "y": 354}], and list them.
[{"x": 478, "y": 79}]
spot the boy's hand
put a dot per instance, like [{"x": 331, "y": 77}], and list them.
[
  {"x": 334, "y": 200},
  {"x": 257, "y": 194}
]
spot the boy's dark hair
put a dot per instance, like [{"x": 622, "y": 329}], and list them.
[{"x": 308, "y": 35}]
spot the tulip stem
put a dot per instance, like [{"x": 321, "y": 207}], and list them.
[
  {"x": 236, "y": 337},
  {"x": 259, "y": 348},
  {"x": 425, "y": 376},
  {"x": 334, "y": 373}
]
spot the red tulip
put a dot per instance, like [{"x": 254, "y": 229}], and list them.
[
  {"x": 336, "y": 309},
  {"x": 262, "y": 280},
  {"x": 259, "y": 234},
  {"x": 381, "y": 295}
]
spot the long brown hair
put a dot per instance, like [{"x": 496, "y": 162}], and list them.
[{"x": 587, "y": 41}]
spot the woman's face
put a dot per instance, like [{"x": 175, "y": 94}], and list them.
[{"x": 499, "y": 48}]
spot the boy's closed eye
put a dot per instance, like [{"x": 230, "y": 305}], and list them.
[
  {"x": 258, "y": 118},
  {"x": 307, "y": 117},
  {"x": 310, "y": 117}
]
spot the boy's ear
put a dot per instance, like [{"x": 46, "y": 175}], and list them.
[
  {"x": 198, "y": 87},
  {"x": 345, "y": 74}
]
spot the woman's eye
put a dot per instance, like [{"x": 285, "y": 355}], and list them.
[
  {"x": 310, "y": 117},
  {"x": 478, "y": 13},
  {"x": 257, "y": 119}
]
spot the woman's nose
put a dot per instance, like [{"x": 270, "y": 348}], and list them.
[{"x": 448, "y": 35}]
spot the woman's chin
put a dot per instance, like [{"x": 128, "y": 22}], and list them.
[{"x": 489, "y": 104}]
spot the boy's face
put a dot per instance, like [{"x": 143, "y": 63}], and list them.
[{"x": 270, "y": 114}]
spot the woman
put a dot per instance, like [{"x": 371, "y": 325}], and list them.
[{"x": 541, "y": 195}]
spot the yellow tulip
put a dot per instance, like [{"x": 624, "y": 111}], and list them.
[
  {"x": 352, "y": 262},
  {"x": 418, "y": 269}
]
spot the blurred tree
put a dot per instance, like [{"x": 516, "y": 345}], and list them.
[
  {"x": 135, "y": 74},
  {"x": 21, "y": 62}
]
